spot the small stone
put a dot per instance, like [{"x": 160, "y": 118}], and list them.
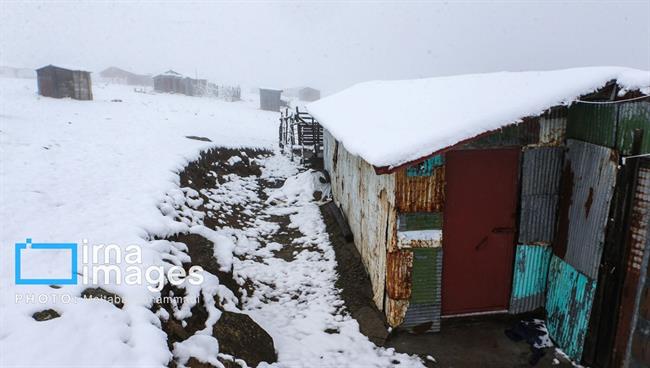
[{"x": 46, "y": 315}]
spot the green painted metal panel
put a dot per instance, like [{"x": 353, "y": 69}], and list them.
[
  {"x": 631, "y": 116},
  {"x": 420, "y": 221},
  {"x": 519, "y": 134},
  {"x": 425, "y": 168},
  {"x": 569, "y": 298},
  {"x": 425, "y": 276},
  {"x": 593, "y": 123}
]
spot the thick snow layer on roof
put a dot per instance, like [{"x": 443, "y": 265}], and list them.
[{"x": 388, "y": 123}]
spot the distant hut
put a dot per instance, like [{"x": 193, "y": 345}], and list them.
[
  {"x": 270, "y": 99},
  {"x": 121, "y": 76},
  {"x": 173, "y": 82},
  {"x": 57, "y": 82},
  {"x": 308, "y": 94}
]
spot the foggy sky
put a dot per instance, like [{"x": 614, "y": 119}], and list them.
[{"x": 329, "y": 45}]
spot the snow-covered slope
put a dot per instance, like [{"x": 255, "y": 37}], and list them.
[
  {"x": 388, "y": 123},
  {"x": 96, "y": 170}
]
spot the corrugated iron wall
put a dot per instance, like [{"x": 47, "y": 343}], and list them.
[
  {"x": 638, "y": 350},
  {"x": 368, "y": 202},
  {"x": 529, "y": 277},
  {"x": 589, "y": 176},
  {"x": 423, "y": 313},
  {"x": 632, "y": 115},
  {"x": 540, "y": 186},
  {"x": 569, "y": 299},
  {"x": 593, "y": 123},
  {"x": 634, "y": 279}
]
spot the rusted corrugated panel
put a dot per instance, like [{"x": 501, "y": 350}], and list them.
[
  {"x": 638, "y": 347},
  {"x": 552, "y": 127},
  {"x": 395, "y": 311},
  {"x": 639, "y": 218},
  {"x": 368, "y": 202},
  {"x": 631, "y": 116},
  {"x": 593, "y": 123},
  {"x": 569, "y": 299},
  {"x": 420, "y": 193},
  {"x": 540, "y": 182},
  {"x": 419, "y": 239},
  {"x": 588, "y": 180},
  {"x": 398, "y": 274},
  {"x": 637, "y": 243},
  {"x": 423, "y": 313},
  {"x": 529, "y": 278}
]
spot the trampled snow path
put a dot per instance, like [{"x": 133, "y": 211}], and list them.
[{"x": 295, "y": 300}]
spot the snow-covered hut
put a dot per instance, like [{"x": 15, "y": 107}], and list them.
[
  {"x": 173, "y": 82},
  {"x": 501, "y": 192},
  {"x": 270, "y": 99},
  {"x": 121, "y": 76},
  {"x": 57, "y": 82}
]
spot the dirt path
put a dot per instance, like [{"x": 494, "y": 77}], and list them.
[{"x": 284, "y": 266}]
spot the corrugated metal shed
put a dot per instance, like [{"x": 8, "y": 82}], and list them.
[
  {"x": 57, "y": 82},
  {"x": 423, "y": 312},
  {"x": 589, "y": 176},
  {"x": 529, "y": 278},
  {"x": 593, "y": 123},
  {"x": 540, "y": 185},
  {"x": 633, "y": 115},
  {"x": 270, "y": 99},
  {"x": 569, "y": 299}
]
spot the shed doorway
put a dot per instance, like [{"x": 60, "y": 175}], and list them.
[{"x": 479, "y": 230}]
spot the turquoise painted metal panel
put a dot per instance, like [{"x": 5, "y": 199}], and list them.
[
  {"x": 593, "y": 123},
  {"x": 529, "y": 278},
  {"x": 631, "y": 116},
  {"x": 569, "y": 298},
  {"x": 425, "y": 168}
]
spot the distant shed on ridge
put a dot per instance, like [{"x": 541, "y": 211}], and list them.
[
  {"x": 57, "y": 82},
  {"x": 270, "y": 99}
]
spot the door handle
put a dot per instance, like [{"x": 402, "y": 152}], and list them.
[{"x": 503, "y": 230}]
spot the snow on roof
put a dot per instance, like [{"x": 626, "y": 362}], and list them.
[{"x": 389, "y": 123}]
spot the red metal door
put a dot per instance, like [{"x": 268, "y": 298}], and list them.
[{"x": 479, "y": 229}]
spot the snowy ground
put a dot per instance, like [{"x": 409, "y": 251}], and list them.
[{"x": 102, "y": 171}]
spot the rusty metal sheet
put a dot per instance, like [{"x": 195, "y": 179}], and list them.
[
  {"x": 552, "y": 127},
  {"x": 588, "y": 180},
  {"x": 368, "y": 202},
  {"x": 420, "y": 193},
  {"x": 637, "y": 353},
  {"x": 398, "y": 274},
  {"x": 395, "y": 311},
  {"x": 637, "y": 244},
  {"x": 569, "y": 299},
  {"x": 540, "y": 183},
  {"x": 419, "y": 239},
  {"x": 631, "y": 116},
  {"x": 529, "y": 278},
  {"x": 593, "y": 123}
]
